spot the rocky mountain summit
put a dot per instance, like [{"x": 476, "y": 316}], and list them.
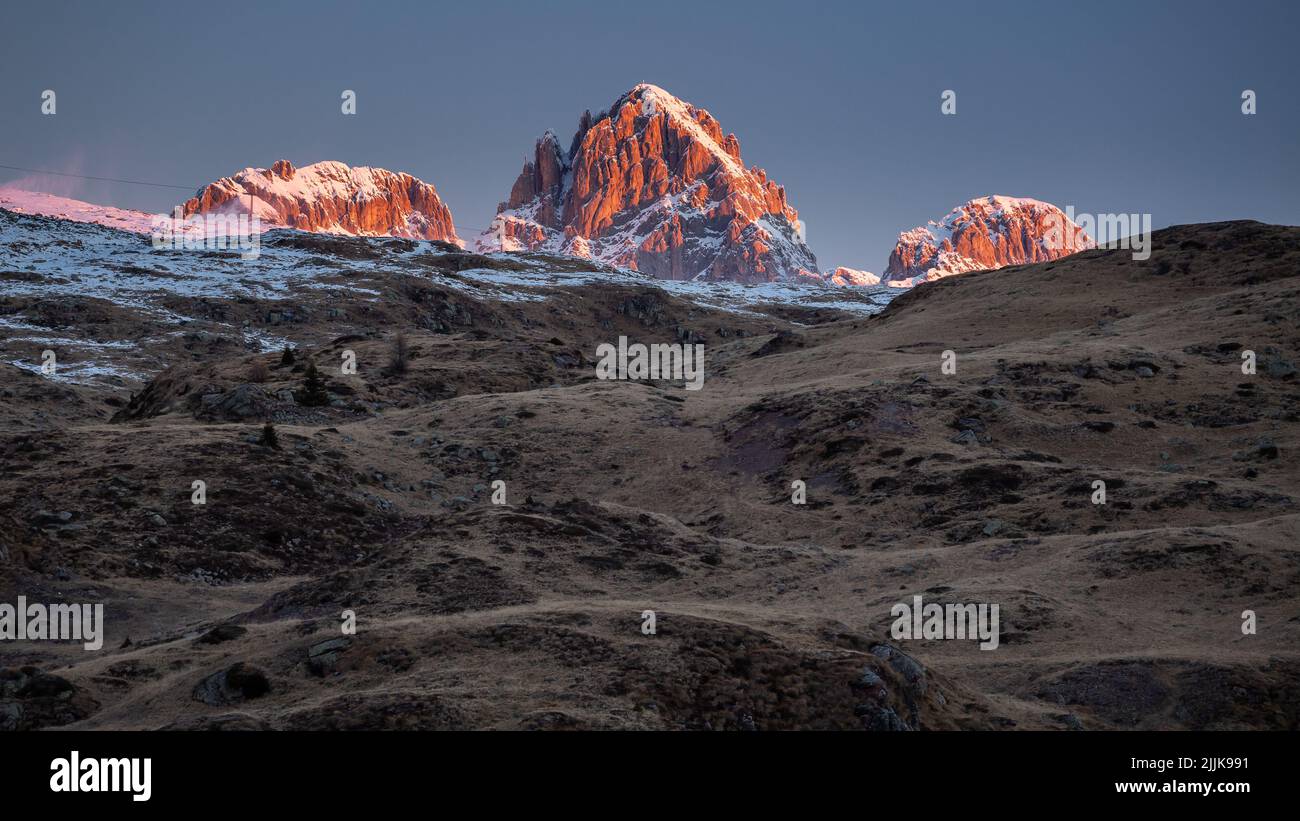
[
  {"x": 331, "y": 197},
  {"x": 653, "y": 184},
  {"x": 985, "y": 234}
]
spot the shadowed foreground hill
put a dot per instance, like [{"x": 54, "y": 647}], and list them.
[{"x": 623, "y": 497}]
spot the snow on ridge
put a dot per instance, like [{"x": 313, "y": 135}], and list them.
[
  {"x": 49, "y": 205},
  {"x": 327, "y": 178},
  {"x": 64, "y": 259},
  {"x": 122, "y": 267}
]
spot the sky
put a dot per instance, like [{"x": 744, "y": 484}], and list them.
[{"x": 1109, "y": 107}]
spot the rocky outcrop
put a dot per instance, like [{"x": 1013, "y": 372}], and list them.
[
  {"x": 984, "y": 234},
  {"x": 851, "y": 276},
  {"x": 653, "y": 184},
  {"x": 330, "y": 197}
]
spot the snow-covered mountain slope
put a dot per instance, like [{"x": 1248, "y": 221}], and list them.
[
  {"x": 49, "y": 205},
  {"x": 104, "y": 298},
  {"x": 983, "y": 234},
  {"x": 653, "y": 184},
  {"x": 330, "y": 197}
]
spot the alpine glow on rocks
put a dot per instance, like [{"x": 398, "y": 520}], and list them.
[
  {"x": 331, "y": 197},
  {"x": 653, "y": 184},
  {"x": 981, "y": 235}
]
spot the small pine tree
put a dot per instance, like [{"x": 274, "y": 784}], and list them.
[
  {"x": 313, "y": 393},
  {"x": 286, "y": 356},
  {"x": 269, "y": 439}
]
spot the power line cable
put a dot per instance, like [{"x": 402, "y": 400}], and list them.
[
  {"x": 459, "y": 228},
  {"x": 101, "y": 179}
]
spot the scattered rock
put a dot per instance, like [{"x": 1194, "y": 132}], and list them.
[
  {"x": 909, "y": 668},
  {"x": 237, "y": 683},
  {"x": 31, "y": 699},
  {"x": 323, "y": 656},
  {"x": 966, "y": 437},
  {"x": 243, "y": 403},
  {"x": 880, "y": 719},
  {"x": 221, "y": 633}
]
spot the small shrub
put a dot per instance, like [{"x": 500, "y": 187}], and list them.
[
  {"x": 400, "y": 357},
  {"x": 269, "y": 439},
  {"x": 258, "y": 372}
]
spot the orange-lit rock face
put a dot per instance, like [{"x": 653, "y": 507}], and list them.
[
  {"x": 655, "y": 185},
  {"x": 984, "y": 234},
  {"x": 331, "y": 197},
  {"x": 851, "y": 276}
]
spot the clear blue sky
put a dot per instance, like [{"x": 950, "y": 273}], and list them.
[{"x": 1107, "y": 106}]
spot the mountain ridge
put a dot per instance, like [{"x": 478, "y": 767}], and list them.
[
  {"x": 983, "y": 234},
  {"x": 331, "y": 197}
]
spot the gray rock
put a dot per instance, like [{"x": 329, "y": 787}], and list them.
[
  {"x": 11, "y": 716},
  {"x": 323, "y": 656},
  {"x": 221, "y": 633},
  {"x": 966, "y": 437},
  {"x": 47, "y": 518},
  {"x": 971, "y": 423},
  {"x": 880, "y": 719},
  {"x": 1070, "y": 720},
  {"x": 1279, "y": 369},
  {"x": 1264, "y": 449},
  {"x": 31, "y": 699},
  {"x": 243, "y": 403},
  {"x": 871, "y": 683},
  {"x": 909, "y": 668},
  {"x": 239, "y": 682}
]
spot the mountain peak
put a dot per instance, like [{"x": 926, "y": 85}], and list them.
[
  {"x": 649, "y": 94},
  {"x": 331, "y": 197},
  {"x": 983, "y": 234},
  {"x": 644, "y": 90},
  {"x": 652, "y": 183}
]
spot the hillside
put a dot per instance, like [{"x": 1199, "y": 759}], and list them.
[{"x": 628, "y": 496}]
